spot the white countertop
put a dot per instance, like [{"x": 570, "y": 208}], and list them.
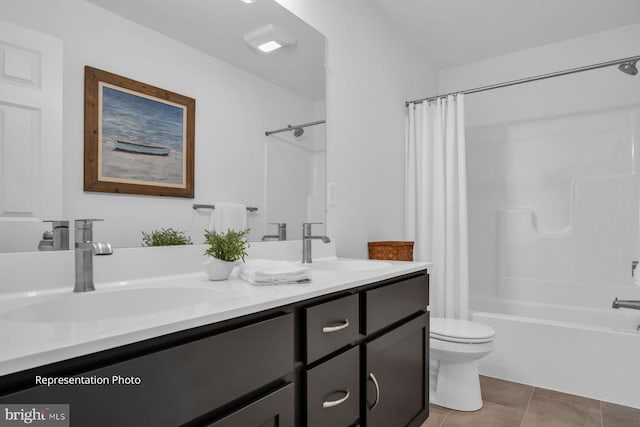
[{"x": 27, "y": 343}]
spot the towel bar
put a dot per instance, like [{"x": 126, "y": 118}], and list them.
[{"x": 199, "y": 206}]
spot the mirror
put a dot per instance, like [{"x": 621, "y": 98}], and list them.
[{"x": 196, "y": 48}]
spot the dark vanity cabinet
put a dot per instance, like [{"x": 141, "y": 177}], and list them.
[
  {"x": 240, "y": 374},
  {"x": 367, "y": 356},
  {"x": 355, "y": 357},
  {"x": 396, "y": 362}
]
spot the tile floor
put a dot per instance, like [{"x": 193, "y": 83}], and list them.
[{"x": 508, "y": 404}]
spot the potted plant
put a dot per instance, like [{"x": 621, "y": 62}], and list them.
[
  {"x": 165, "y": 237},
  {"x": 224, "y": 253}
]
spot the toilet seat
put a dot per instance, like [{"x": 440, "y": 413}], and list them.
[{"x": 460, "y": 331}]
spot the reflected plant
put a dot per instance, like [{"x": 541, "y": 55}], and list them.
[{"x": 165, "y": 237}]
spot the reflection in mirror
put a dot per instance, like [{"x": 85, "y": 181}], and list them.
[
  {"x": 211, "y": 51},
  {"x": 296, "y": 177}
]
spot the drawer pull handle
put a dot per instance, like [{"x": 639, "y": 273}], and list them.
[
  {"x": 341, "y": 326},
  {"x": 377, "y": 386},
  {"x": 332, "y": 403}
]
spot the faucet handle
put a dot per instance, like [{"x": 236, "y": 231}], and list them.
[
  {"x": 57, "y": 223},
  {"x": 307, "y": 225},
  {"x": 306, "y": 228},
  {"x": 86, "y": 222}
]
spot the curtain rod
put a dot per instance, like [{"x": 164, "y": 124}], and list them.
[
  {"x": 293, "y": 127},
  {"x": 530, "y": 79}
]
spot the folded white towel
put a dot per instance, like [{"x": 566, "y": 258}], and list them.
[
  {"x": 267, "y": 272},
  {"x": 228, "y": 216}
]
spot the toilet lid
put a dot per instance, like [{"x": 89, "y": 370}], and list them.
[{"x": 458, "y": 330}]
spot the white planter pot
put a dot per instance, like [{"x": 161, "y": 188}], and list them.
[{"x": 217, "y": 269}]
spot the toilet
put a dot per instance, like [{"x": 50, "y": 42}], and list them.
[{"x": 456, "y": 345}]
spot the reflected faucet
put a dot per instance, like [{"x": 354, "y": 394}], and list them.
[
  {"x": 634, "y": 304},
  {"x": 86, "y": 248},
  {"x": 306, "y": 241},
  {"x": 57, "y": 239},
  {"x": 282, "y": 232}
]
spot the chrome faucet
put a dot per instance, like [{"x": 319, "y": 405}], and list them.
[
  {"x": 306, "y": 241},
  {"x": 634, "y": 304},
  {"x": 282, "y": 232},
  {"x": 57, "y": 239},
  {"x": 86, "y": 248}
]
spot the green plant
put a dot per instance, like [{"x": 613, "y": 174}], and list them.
[
  {"x": 165, "y": 237},
  {"x": 229, "y": 246}
]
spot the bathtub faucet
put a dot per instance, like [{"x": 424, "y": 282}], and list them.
[{"x": 634, "y": 304}]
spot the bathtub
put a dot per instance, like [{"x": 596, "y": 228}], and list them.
[{"x": 588, "y": 352}]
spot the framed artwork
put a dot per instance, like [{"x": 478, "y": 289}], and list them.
[{"x": 138, "y": 139}]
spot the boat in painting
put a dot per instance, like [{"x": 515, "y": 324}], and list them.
[{"x": 131, "y": 147}]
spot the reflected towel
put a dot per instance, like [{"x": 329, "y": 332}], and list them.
[
  {"x": 267, "y": 272},
  {"x": 228, "y": 216}
]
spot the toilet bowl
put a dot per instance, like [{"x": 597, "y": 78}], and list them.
[{"x": 456, "y": 345}]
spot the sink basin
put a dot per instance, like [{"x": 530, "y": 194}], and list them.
[
  {"x": 111, "y": 304},
  {"x": 349, "y": 265}
]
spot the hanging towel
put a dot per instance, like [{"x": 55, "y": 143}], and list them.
[
  {"x": 266, "y": 272},
  {"x": 228, "y": 216}
]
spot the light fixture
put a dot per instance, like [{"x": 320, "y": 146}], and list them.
[
  {"x": 248, "y": 1},
  {"x": 268, "y": 39},
  {"x": 269, "y": 46}
]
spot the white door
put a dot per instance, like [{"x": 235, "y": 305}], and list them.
[{"x": 30, "y": 135}]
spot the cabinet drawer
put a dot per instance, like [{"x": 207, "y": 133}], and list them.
[
  {"x": 396, "y": 301},
  {"x": 275, "y": 409},
  {"x": 180, "y": 383},
  {"x": 333, "y": 392},
  {"x": 330, "y": 326}
]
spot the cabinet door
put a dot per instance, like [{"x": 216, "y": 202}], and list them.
[
  {"x": 273, "y": 410},
  {"x": 397, "y": 376}
]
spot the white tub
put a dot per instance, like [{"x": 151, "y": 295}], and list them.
[{"x": 588, "y": 352}]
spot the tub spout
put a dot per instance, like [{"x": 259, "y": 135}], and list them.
[{"x": 634, "y": 304}]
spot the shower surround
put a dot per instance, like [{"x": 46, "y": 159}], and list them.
[{"x": 554, "y": 227}]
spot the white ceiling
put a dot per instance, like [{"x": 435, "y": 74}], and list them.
[
  {"x": 455, "y": 32},
  {"x": 217, "y": 27}
]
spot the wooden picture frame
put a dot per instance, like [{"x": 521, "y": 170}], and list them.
[{"x": 138, "y": 139}]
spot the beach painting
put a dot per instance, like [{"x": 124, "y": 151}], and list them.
[{"x": 141, "y": 137}]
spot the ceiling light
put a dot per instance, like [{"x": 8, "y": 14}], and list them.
[
  {"x": 248, "y": 1},
  {"x": 268, "y": 39},
  {"x": 269, "y": 46}
]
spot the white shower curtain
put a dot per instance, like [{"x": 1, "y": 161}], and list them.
[{"x": 436, "y": 200}]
